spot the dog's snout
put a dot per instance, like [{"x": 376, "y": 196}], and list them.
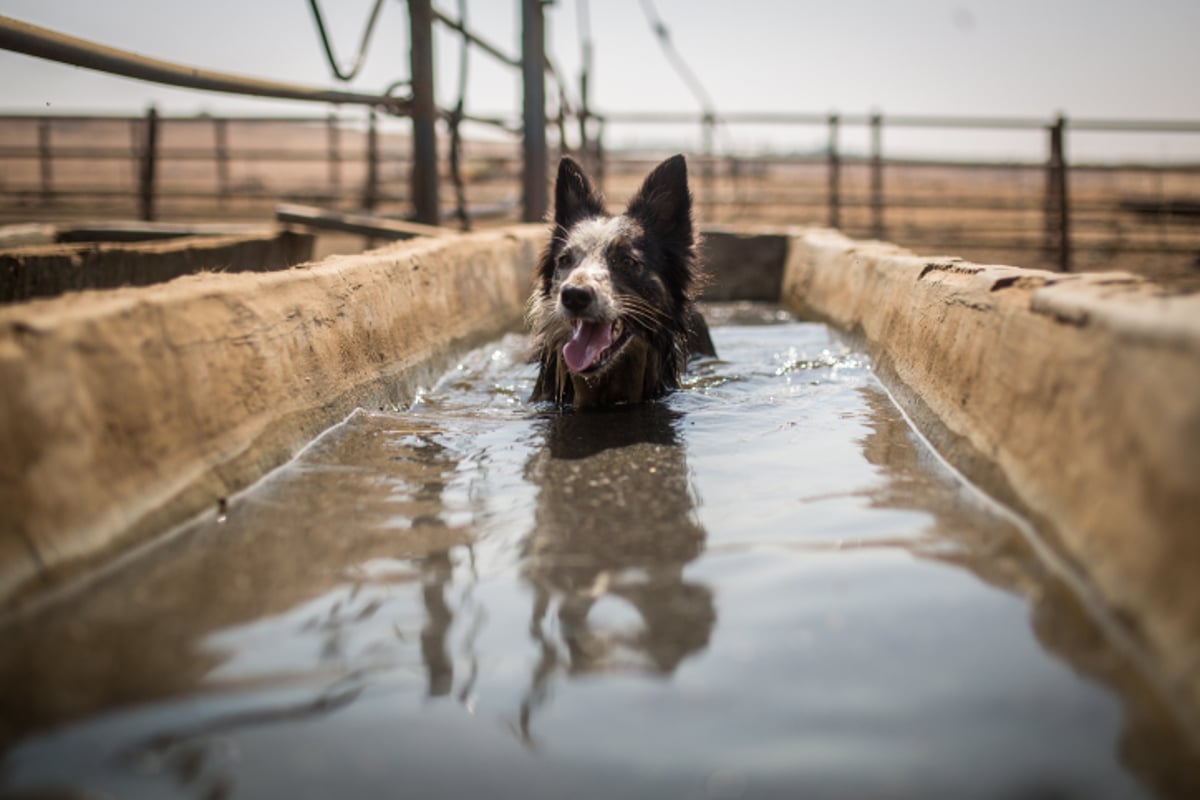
[{"x": 577, "y": 298}]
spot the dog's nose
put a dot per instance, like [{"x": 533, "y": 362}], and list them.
[{"x": 576, "y": 298}]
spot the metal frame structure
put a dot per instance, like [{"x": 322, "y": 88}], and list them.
[{"x": 420, "y": 107}]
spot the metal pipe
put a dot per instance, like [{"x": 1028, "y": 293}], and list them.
[
  {"x": 533, "y": 56},
  {"x": 426, "y": 206},
  {"x": 361, "y": 57},
  {"x": 459, "y": 26},
  {"x": 32, "y": 40}
]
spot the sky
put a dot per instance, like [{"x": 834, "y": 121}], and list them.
[{"x": 1028, "y": 58}]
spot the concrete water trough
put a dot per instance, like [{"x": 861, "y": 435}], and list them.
[
  {"x": 1074, "y": 400},
  {"x": 46, "y": 260}
]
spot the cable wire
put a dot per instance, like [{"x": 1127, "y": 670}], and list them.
[
  {"x": 347, "y": 75},
  {"x": 689, "y": 77}
]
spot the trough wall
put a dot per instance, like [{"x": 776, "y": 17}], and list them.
[
  {"x": 48, "y": 270},
  {"x": 1074, "y": 399},
  {"x": 125, "y": 412}
]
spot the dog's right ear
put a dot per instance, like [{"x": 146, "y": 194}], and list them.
[{"x": 574, "y": 196}]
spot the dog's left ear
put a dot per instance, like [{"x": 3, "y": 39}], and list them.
[
  {"x": 664, "y": 203},
  {"x": 574, "y": 196}
]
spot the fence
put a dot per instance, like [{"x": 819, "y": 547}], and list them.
[
  {"x": 1046, "y": 212},
  {"x": 419, "y": 107},
  {"x": 1050, "y": 211}
]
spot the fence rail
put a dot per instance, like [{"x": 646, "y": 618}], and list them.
[
  {"x": 1047, "y": 212},
  {"x": 1051, "y": 211}
]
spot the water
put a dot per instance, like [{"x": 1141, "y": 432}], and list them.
[{"x": 764, "y": 586}]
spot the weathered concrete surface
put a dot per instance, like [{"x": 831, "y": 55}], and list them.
[
  {"x": 742, "y": 263},
  {"x": 124, "y": 412},
  {"x": 1073, "y": 398},
  {"x": 49, "y": 270}
]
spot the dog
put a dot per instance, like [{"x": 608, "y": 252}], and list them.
[{"x": 612, "y": 314}]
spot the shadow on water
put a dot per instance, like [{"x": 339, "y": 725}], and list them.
[{"x": 614, "y": 521}]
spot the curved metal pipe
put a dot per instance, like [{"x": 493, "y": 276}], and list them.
[{"x": 32, "y": 40}]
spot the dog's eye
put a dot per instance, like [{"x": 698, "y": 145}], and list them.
[
  {"x": 628, "y": 261},
  {"x": 563, "y": 261}
]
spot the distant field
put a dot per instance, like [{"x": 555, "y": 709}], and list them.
[{"x": 984, "y": 213}]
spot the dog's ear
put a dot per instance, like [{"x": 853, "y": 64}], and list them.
[
  {"x": 664, "y": 204},
  {"x": 574, "y": 196}
]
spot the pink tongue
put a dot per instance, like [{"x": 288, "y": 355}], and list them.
[{"x": 588, "y": 341}]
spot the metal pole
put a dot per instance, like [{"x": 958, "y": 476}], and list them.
[
  {"x": 1057, "y": 241},
  {"x": 877, "y": 230},
  {"x": 533, "y": 71},
  {"x": 835, "y": 174},
  {"x": 1064, "y": 208},
  {"x": 424, "y": 114},
  {"x": 709, "y": 127},
  {"x": 221, "y": 137},
  {"x": 45, "y": 160},
  {"x": 371, "y": 186},
  {"x": 149, "y": 164},
  {"x": 333, "y": 136},
  {"x": 21, "y": 37},
  {"x": 601, "y": 158}
]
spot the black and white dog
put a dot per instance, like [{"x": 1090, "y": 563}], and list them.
[{"x": 613, "y": 314}]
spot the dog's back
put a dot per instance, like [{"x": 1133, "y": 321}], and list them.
[{"x": 613, "y": 313}]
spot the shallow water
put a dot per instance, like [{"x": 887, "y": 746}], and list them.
[{"x": 763, "y": 586}]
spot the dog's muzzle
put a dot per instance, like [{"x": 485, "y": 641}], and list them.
[{"x": 592, "y": 339}]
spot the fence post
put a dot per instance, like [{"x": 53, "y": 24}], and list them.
[
  {"x": 221, "y": 139},
  {"x": 835, "y": 174},
  {"x": 333, "y": 140},
  {"x": 1057, "y": 242},
  {"x": 709, "y": 126},
  {"x": 146, "y": 178},
  {"x": 533, "y": 72},
  {"x": 601, "y": 158},
  {"x": 424, "y": 113},
  {"x": 877, "y": 229},
  {"x": 370, "y": 197},
  {"x": 45, "y": 160}
]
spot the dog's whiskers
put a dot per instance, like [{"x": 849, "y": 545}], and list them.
[{"x": 642, "y": 311}]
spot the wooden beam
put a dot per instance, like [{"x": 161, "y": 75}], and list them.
[{"x": 365, "y": 224}]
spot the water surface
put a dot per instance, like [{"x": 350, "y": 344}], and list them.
[{"x": 763, "y": 586}]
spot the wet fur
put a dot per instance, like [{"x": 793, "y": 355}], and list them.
[{"x": 638, "y": 271}]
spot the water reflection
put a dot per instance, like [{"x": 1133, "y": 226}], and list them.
[
  {"x": 614, "y": 528},
  {"x": 1152, "y": 744},
  {"x": 294, "y": 584}
]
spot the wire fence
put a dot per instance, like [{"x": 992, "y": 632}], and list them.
[
  {"x": 1049, "y": 211},
  {"x": 1046, "y": 211}
]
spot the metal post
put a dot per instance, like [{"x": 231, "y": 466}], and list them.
[
  {"x": 1058, "y": 213},
  {"x": 221, "y": 139},
  {"x": 371, "y": 185},
  {"x": 533, "y": 72},
  {"x": 601, "y": 165},
  {"x": 136, "y": 130},
  {"x": 835, "y": 174},
  {"x": 333, "y": 138},
  {"x": 45, "y": 160},
  {"x": 877, "y": 230},
  {"x": 146, "y": 178},
  {"x": 424, "y": 114},
  {"x": 709, "y": 126}
]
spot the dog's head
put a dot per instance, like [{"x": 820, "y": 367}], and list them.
[{"x": 610, "y": 313}]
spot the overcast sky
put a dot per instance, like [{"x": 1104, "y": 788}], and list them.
[{"x": 1086, "y": 58}]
